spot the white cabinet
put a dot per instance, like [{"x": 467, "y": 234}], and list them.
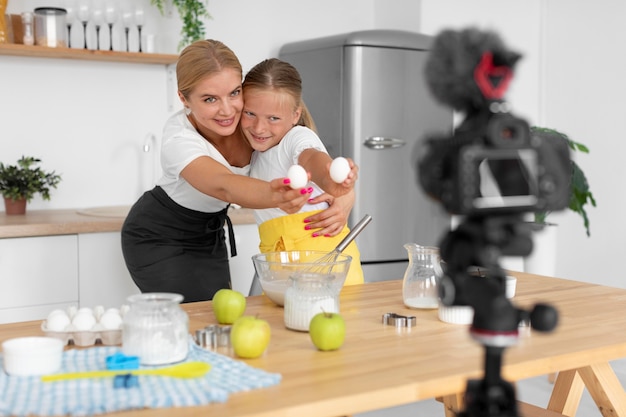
[
  {"x": 104, "y": 279},
  {"x": 37, "y": 275},
  {"x": 40, "y": 274},
  {"x": 241, "y": 267}
]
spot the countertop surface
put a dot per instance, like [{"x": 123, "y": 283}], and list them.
[{"x": 87, "y": 220}]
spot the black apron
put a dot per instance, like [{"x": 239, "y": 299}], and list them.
[{"x": 170, "y": 248}]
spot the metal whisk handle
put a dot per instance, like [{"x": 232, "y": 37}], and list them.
[{"x": 353, "y": 233}]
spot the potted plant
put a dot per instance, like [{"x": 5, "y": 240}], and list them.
[
  {"x": 19, "y": 183},
  {"x": 580, "y": 193},
  {"x": 191, "y": 13}
]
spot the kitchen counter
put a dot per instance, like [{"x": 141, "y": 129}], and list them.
[{"x": 74, "y": 221}]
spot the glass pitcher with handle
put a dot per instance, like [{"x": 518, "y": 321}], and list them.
[{"x": 421, "y": 279}]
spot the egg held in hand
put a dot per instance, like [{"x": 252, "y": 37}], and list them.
[
  {"x": 327, "y": 331},
  {"x": 339, "y": 169},
  {"x": 228, "y": 305},
  {"x": 250, "y": 336},
  {"x": 298, "y": 178}
]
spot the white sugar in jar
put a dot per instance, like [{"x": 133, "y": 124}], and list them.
[
  {"x": 309, "y": 294},
  {"x": 156, "y": 329}
]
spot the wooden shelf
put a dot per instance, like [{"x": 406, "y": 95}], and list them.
[{"x": 86, "y": 54}]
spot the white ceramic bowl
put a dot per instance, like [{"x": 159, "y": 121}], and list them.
[
  {"x": 24, "y": 356},
  {"x": 456, "y": 314},
  {"x": 275, "y": 268}
]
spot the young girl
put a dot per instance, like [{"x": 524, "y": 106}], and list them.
[{"x": 279, "y": 128}]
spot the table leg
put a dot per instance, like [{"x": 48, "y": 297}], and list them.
[
  {"x": 452, "y": 404},
  {"x": 605, "y": 389},
  {"x": 566, "y": 394}
]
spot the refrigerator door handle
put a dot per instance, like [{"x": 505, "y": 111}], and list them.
[{"x": 379, "y": 142}]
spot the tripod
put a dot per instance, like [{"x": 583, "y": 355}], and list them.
[{"x": 481, "y": 240}]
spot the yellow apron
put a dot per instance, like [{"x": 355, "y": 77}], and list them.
[{"x": 286, "y": 233}]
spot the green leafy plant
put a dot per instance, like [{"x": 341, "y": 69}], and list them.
[
  {"x": 24, "y": 180},
  {"x": 191, "y": 13},
  {"x": 580, "y": 193}
]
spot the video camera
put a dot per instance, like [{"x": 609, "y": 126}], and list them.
[
  {"x": 496, "y": 166},
  {"x": 492, "y": 163}
]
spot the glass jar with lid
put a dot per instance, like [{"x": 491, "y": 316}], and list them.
[
  {"x": 308, "y": 295},
  {"x": 156, "y": 329},
  {"x": 50, "y": 27}
]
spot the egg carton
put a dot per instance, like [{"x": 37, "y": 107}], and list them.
[
  {"x": 88, "y": 332},
  {"x": 96, "y": 335}
]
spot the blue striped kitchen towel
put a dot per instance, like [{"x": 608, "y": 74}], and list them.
[{"x": 22, "y": 396}]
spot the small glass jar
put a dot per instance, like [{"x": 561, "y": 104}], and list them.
[
  {"x": 50, "y": 27},
  {"x": 156, "y": 329},
  {"x": 308, "y": 295}
]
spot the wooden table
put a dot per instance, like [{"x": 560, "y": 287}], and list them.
[{"x": 380, "y": 366}]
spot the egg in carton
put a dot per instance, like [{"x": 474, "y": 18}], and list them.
[{"x": 86, "y": 326}]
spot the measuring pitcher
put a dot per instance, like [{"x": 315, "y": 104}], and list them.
[{"x": 421, "y": 279}]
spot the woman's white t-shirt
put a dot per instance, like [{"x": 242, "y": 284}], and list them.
[
  {"x": 182, "y": 144},
  {"x": 275, "y": 162}
]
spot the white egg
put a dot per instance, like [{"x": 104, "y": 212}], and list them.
[
  {"x": 339, "y": 169},
  {"x": 57, "y": 321},
  {"x": 297, "y": 176},
  {"x": 84, "y": 320},
  {"x": 111, "y": 319}
]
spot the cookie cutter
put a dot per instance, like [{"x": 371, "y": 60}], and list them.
[
  {"x": 118, "y": 361},
  {"x": 393, "y": 319},
  {"x": 213, "y": 336}
]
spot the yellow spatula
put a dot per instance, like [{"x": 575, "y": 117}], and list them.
[{"x": 182, "y": 370}]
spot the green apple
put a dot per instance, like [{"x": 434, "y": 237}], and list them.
[
  {"x": 250, "y": 336},
  {"x": 228, "y": 305},
  {"x": 327, "y": 331}
]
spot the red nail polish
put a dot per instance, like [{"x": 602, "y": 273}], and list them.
[
  {"x": 315, "y": 234},
  {"x": 286, "y": 181},
  {"x": 310, "y": 189},
  {"x": 326, "y": 235},
  {"x": 307, "y": 227},
  {"x": 303, "y": 191},
  {"x": 307, "y": 220}
]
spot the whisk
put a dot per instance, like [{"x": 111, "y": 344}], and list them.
[{"x": 322, "y": 264}]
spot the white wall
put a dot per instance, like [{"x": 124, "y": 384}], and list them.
[{"x": 88, "y": 120}]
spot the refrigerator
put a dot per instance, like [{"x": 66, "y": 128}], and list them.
[{"x": 368, "y": 97}]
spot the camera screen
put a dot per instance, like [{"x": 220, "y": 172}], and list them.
[{"x": 506, "y": 178}]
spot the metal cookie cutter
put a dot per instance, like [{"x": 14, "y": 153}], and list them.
[
  {"x": 393, "y": 319},
  {"x": 213, "y": 336}
]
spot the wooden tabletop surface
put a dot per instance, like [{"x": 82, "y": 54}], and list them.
[{"x": 380, "y": 366}]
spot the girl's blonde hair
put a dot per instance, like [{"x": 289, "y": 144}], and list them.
[
  {"x": 274, "y": 74},
  {"x": 201, "y": 59}
]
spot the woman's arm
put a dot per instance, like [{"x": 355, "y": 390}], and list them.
[{"x": 214, "y": 179}]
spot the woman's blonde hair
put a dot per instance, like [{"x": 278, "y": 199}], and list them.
[
  {"x": 201, "y": 59},
  {"x": 274, "y": 74}
]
